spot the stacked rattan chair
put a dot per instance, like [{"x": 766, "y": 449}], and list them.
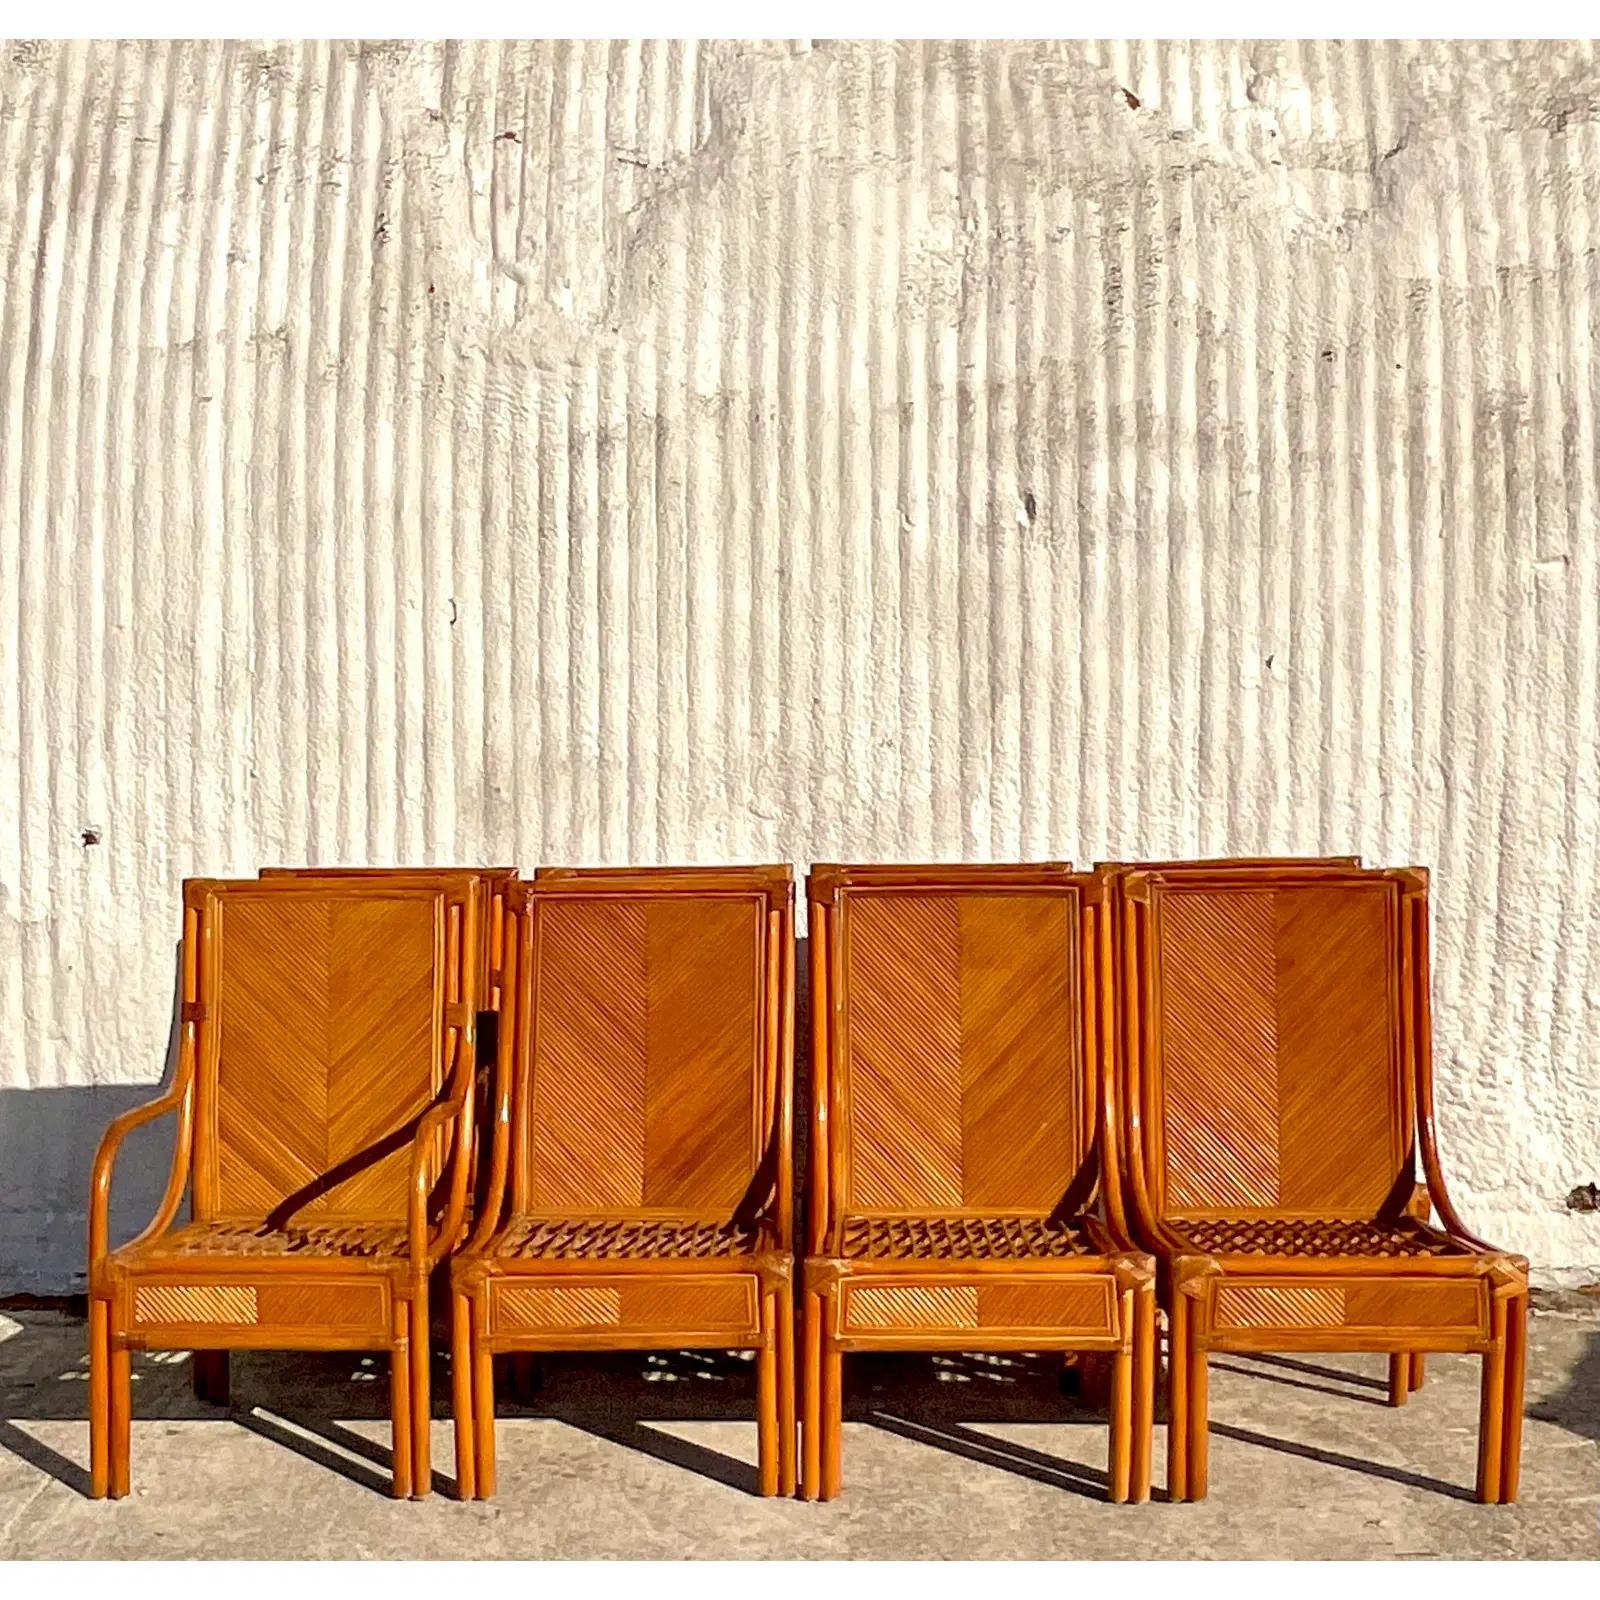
[
  {"x": 324, "y": 1105},
  {"x": 640, "y": 1192},
  {"x": 961, "y": 1130},
  {"x": 1278, "y": 1079}
]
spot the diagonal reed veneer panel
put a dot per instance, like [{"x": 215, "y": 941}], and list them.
[
  {"x": 647, "y": 1048},
  {"x": 903, "y": 980},
  {"x": 700, "y": 1113},
  {"x": 328, "y": 1020},
  {"x": 587, "y": 1116},
  {"x": 1019, "y": 1049},
  {"x": 271, "y": 1093},
  {"x": 1337, "y": 1085},
  {"x": 1220, "y": 1049}
]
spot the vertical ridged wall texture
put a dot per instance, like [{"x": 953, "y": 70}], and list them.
[{"x": 578, "y": 452}]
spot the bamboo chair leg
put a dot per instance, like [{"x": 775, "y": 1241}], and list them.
[
  {"x": 1096, "y": 1380},
  {"x": 1399, "y": 1378},
  {"x": 1144, "y": 1376},
  {"x": 1417, "y": 1374},
  {"x": 832, "y": 1415},
  {"x": 461, "y": 1394},
  {"x": 99, "y": 1398},
  {"x": 121, "y": 1419},
  {"x": 1199, "y": 1416},
  {"x": 400, "y": 1405},
  {"x": 208, "y": 1376},
  {"x": 482, "y": 1405},
  {"x": 767, "y": 1400},
  {"x": 1515, "y": 1380},
  {"x": 786, "y": 1419},
  {"x": 1121, "y": 1405},
  {"x": 1491, "y": 1408},
  {"x": 811, "y": 1399},
  {"x": 1178, "y": 1399},
  {"x": 421, "y": 1400}
]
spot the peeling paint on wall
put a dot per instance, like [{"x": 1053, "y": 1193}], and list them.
[{"x": 584, "y": 452}]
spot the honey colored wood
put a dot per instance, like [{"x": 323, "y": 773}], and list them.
[
  {"x": 491, "y": 882},
  {"x": 640, "y": 1186},
  {"x": 961, "y": 1133},
  {"x": 324, "y": 1106},
  {"x": 1277, "y": 1092}
]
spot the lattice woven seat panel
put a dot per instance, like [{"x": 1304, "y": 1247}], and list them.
[
  {"x": 964, "y": 1238},
  {"x": 256, "y": 1239},
  {"x": 1314, "y": 1236},
  {"x": 624, "y": 1240}
]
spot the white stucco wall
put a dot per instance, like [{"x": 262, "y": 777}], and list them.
[{"x": 554, "y": 453}]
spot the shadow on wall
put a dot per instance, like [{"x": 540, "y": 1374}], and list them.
[{"x": 48, "y": 1139}]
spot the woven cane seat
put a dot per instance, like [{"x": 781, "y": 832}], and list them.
[
  {"x": 254, "y": 1239},
  {"x": 964, "y": 1238},
  {"x": 1315, "y": 1237},
  {"x": 561, "y": 1239}
]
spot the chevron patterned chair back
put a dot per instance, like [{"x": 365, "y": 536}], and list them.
[
  {"x": 492, "y": 883},
  {"x": 1278, "y": 1091},
  {"x": 324, "y": 1108},
  {"x": 958, "y": 1137},
  {"x": 640, "y": 1179}
]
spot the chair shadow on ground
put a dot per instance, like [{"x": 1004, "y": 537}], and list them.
[{"x": 314, "y": 1403}]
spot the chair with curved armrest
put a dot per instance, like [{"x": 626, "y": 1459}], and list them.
[
  {"x": 324, "y": 1103},
  {"x": 961, "y": 1131},
  {"x": 639, "y": 1193},
  {"x": 1277, "y": 1064}
]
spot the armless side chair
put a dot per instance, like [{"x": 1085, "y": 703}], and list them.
[
  {"x": 323, "y": 1097},
  {"x": 961, "y": 1132},
  {"x": 640, "y": 1185},
  {"x": 1277, "y": 1057}
]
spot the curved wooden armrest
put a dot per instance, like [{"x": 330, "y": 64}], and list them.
[
  {"x": 426, "y": 1251},
  {"x": 177, "y": 1098}
]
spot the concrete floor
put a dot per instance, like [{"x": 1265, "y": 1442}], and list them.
[{"x": 653, "y": 1457}]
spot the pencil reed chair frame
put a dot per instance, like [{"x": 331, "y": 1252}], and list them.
[
  {"x": 1254, "y": 998},
  {"x": 355, "y": 1004},
  {"x": 640, "y": 1186},
  {"x": 943, "y": 998}
]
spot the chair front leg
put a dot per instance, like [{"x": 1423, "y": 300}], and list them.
[
  {"x": 99, "y": 1397},
  {"x": 786, "y": 1409},
  {"x": 1119, "y": 1462},
  {"x": 461, "y": 1392},
  {"x": 482, "y": 1399},
  {"x": 1417, "y": 1374},
  {"x": 1199, "y": 1411},
  {"x": 832, "y": 1400},
  {"x": 767, "y": 1398},
  {"x": 1178, "y": 1397},
  {"x": 1515, "y": 1381},
  {"x": 811, "y": 1398},
  {"x": 1492, "y": 1407},
  {"x": 121, "y": 1417},
  {"x": 400, "y": 1402},
  {"x": 421, "y": 1396},
  {"x": 1144, "y": 1384}
]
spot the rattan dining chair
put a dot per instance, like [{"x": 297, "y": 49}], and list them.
[
  {"x": 640, "y": 1184},
  {"x": 323, "y": 1096},
  {"x": 1277, "y": 1062},
  {"x": 960, "y": 1134}
]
